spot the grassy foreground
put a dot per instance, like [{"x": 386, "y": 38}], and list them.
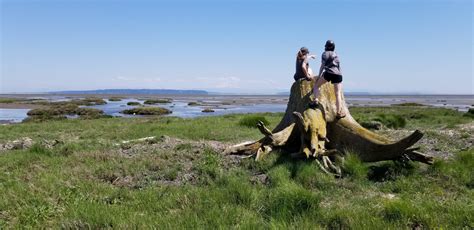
[{"x": 89, "y": 182}]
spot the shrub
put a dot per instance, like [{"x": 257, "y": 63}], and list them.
[
  {"x": 193, "y": 103},
  {"x": 65, "y": 109},
  {"x": 354, "y": 167},
  {"x": 310, "y": 176},
  {"x": 68, "y": 149},
  {"x": 8, "y": 100},
  {"x": 147, "y": 111},
  {"x": 251, "y": 121},
  {"x": 289, "y": 200},
  {"x": 391, "y": 120},
  {"x": 43, "y": 112},
  {"x": 89, "y": 113},
  {"x": 133, "y": 103},
  {"x": 376, "y": 125},
  {"x": 398, "y": 211},
  {"x": 417, "y": 115},
  {"x": 408, "y": 104},
  {"x": 207, "y": 110},
  {"x": 208, "y": 167},
  {"x": 92, "y": 101},
  {"x": 390, "y": 171},
  {"x": 157, "y": 101},
  {"x": 60, "y": 111},
  {"x": 78, "y": 102},
  {"x": 40, "y": 150},
  {"x": 469, "y": 113},
  {"x": 115, "y": 99}
]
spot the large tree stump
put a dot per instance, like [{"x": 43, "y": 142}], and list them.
[{"x": 316, "y": 132}]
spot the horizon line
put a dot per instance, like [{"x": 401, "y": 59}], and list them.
[{"x": 217, "y": 92}]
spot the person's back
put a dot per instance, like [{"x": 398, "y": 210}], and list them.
[
  {"x": 331, "y": 63},
  {"x": 299, "y": 69}
]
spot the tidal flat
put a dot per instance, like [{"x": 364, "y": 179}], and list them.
[
  {"x": 171, "y": 173},
  {"x": 14, "y": 107}
]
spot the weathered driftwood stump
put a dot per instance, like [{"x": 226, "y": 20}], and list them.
[{"x": 315, "y": 132}]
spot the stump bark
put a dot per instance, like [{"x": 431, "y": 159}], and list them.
[{"x": 316, "y": 132}]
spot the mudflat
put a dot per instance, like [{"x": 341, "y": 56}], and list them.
[{"x": 19, "y": 106}]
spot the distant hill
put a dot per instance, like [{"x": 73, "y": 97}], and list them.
[{"x": 133, "y": 91}]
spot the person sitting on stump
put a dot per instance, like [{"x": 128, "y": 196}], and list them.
[
  {"x": 330, "y": 71},
  {"x": 302, "y": 66}
]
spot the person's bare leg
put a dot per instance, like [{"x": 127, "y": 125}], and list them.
[
  {"x": 319, "y": 82},
  {"x": 338, "y": 91}
]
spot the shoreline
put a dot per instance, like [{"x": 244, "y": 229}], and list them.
[
  {"x": 19, "y": 106},
  {"x": 259, "y": 103}
]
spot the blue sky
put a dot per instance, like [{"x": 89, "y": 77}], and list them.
[{"x": 391, "y": 46}]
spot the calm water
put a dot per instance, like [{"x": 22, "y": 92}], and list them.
[
  {"x": 12, "y": 115},
  {"x": 180, "y": 107}
]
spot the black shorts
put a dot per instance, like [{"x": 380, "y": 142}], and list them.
[{"x": 333, "y": 78}]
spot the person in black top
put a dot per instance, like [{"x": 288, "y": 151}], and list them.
[
  {"x": 302, "y": 66},
  {"x": 330, "y": 71}
]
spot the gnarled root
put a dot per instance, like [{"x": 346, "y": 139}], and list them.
[{"x": 263, "y": 146}]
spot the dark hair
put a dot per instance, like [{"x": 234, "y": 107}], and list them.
[
  {"x": 330, "y": 45},
  {"x": 303, "y": 51}
]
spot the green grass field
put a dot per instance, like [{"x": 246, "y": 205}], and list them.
[{"x": 88, "y": 181}]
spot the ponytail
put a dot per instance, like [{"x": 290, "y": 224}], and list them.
[{"x": 299, "y": 55}]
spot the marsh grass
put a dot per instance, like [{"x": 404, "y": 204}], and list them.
[
  {"x": 409, "y": 104},
  {"x": 115, "y": 99},
  {"x": 391, "y": 120},
  {"x": 147, "y": 111},
  {"x": 9, "y": 100},
  {"x": 85, "y": 182},
  {"x": 193, "y": 103},
  {"x": 415, "y": 117},
  {"x": 354, "y": 168},
  {"x": 60, "y": 112},
  {"x": 133, "y": 103},
  {"x": 469, "y": 113},
  {"x": 157, "y": 101},
  {"x": 252, "y": 120}
]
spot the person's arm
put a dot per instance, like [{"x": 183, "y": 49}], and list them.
[
  {"x": 323, "y": 63},
  {"x": 321, "y": 69},
  {"x": 339, "y": 64}
]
